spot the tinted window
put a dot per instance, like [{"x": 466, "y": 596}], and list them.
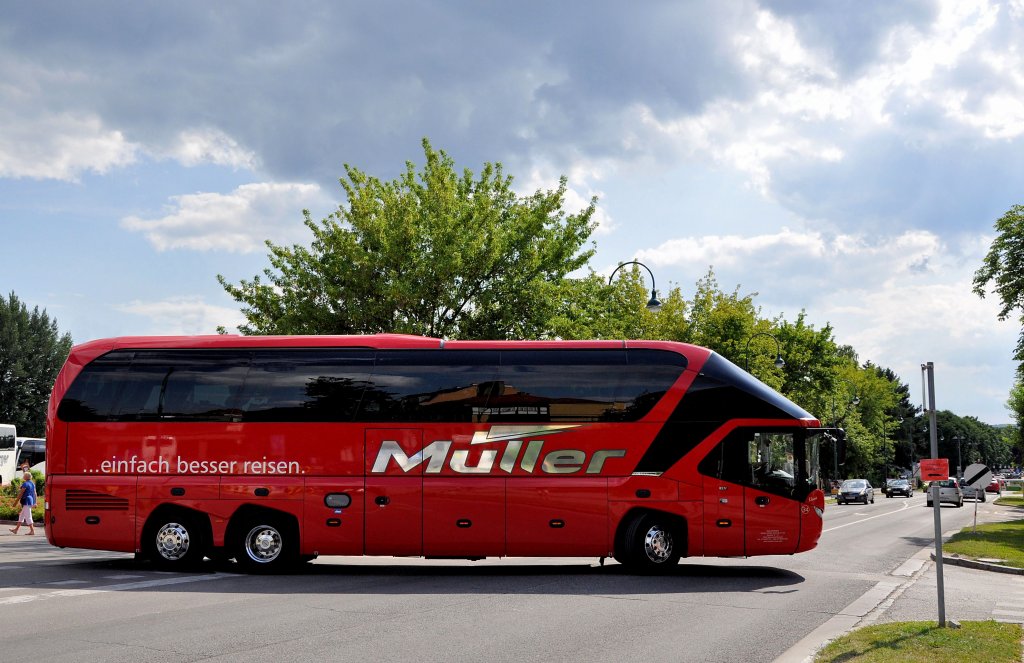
[
  {"x": 200, "y": 385},
  {"x": 582, "y": 385},
  {"x": 305, "y": 385},
  {"x": 430, "y": 385},
  {"x": 364, "y": 385},
  {"x": 149, "y": 385},
  {"x": 724, "y": 391},
  {"x": 95, "y": 393}
]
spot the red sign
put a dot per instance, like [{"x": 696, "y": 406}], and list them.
[{"x": 934, "y": 469}]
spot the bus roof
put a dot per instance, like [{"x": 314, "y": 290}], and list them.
[{"x": 92, "y": 349}]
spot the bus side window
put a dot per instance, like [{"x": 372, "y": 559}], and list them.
[{"x": 728, "y": 461}]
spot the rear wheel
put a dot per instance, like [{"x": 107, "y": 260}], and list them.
[
  {"x": 266, "y": 545},
  {"x": 653, "y": 543},
  {"x": 175, "y": 541}
]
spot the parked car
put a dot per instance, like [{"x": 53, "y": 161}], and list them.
[
  {"x": 970, "y": 492},
  {"x": 856, "y": 490},
  {"x": 898, "y": 487},
  {"x": 949, "y": 492},
  {"x": 995, "y": 486}
]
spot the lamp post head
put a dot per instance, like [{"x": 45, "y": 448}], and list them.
[
  {"x": 654, "y": 305},
  {"x": 779, "y": 361}
]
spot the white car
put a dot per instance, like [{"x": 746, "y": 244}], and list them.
[
  {"x": 970, "y": 492},
  {"x": 949, "y": 492}
]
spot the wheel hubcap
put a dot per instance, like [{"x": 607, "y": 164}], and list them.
[
  {"x": 658, "y": 544},
  {"x": 172, "y": 541},
  {"x": 263, "y": 544}
]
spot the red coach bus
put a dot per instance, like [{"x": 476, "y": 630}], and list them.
[{"x": 272, "y": 450}]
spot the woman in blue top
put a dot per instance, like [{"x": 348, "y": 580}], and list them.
[{"x": 27, "y": 498}]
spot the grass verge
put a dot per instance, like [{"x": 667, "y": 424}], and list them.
[
  {"x": 1003, "y": 541},
  {"x": 925, "y": 642}
]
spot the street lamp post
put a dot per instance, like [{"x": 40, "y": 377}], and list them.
[
  {"x": 956, "y": 438},
  {"x": 653, "y": 304},
  {"x": 835, "y": 423},
  {"x": 779, "y": 361}
]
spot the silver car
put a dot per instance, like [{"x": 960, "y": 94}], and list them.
[
  {"x": 949, "y": 492},
  {"x": 972, "y": 493},
  {"x": 856, "y": 490}
]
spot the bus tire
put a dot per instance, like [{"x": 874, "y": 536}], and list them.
[
  {"x": 266, "y": 544},
  {"x": 653, "y": 543},
  {"x": 174, "y": 541}
]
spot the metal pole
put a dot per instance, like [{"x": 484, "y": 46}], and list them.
[{"x": 929, "y": 370}]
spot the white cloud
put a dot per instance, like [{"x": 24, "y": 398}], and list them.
[
  {"x": 238, "y": 222},
  {"x": 802, "y": 111},
  {"x": 60, "y": 146},
  {"x": 199, "y": 146},
  {"x": 183, "y": 315},
  {"x": 580, "y": 189}
]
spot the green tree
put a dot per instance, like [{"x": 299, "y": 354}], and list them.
[
  {"x": 1003, "y": 267},
  {"x": 31, "y": 353},
  {"x": 432, "y": 252},
  {"x": 1015, "y": 404}
]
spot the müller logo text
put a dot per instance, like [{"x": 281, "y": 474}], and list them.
[{"x": 517, "y": 452}]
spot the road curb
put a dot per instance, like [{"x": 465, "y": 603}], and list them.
[{"x": 981, "y": 566}]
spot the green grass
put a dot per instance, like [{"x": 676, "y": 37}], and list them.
[
  {"x": 1010, "y": 500},
  {"x": 992, "y": 540},
  {"x": 925, "y": 642}
]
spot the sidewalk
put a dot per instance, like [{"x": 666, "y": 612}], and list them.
[{"x": 910, "y": 594}]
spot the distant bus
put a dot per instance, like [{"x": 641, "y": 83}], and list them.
[
  {"x": 32, "y": 450},
  {"x": 8, "y": 452},
  {"x": 272, "y": 450}
]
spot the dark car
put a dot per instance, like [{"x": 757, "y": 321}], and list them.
[
  {"x": 898, "y": 487},
  {"x": 856, "y": 490}
]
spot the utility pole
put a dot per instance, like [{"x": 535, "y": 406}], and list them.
[{"x": 928, "y": 383}]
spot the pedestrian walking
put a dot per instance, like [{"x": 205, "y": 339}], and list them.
[{"x": 27, "y": 499}]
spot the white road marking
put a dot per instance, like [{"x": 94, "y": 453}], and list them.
[
  {"x": 145, "y": 584},
  {"x": 906, "y": 505}
]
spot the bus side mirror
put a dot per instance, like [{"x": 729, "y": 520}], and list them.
[{"x": 841, "y": 446}]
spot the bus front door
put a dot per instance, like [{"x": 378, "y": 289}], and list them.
[{"x": 394, "y": 492}]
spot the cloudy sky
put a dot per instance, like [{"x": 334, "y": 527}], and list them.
[{"x": 846, "y": 158}]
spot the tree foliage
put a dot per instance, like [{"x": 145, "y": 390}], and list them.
[
  {"x": 433, "y": 253},
  {"x": 439, "y": 253},
  {"x": 32, "y": 351},
  {"x": 1003, "y": 268}
]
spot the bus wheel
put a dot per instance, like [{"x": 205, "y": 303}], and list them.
[
  {"x": 175, "y": 542},
  {"x": 653, "y": 544},
  {"x": 266, "y": 545}
]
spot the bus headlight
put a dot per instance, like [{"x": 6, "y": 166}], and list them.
[{"x": 821, "y": 514}]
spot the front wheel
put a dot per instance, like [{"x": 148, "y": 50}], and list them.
[
  {"x": 652, "y": 544},
  {"x": 266, "y": 545}
]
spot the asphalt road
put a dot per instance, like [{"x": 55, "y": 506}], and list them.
[{"x": 74, "y": 605}]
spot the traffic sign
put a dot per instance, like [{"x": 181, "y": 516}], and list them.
[
  {"x": 934, "y": 469},
  {"x": 978, "y": 476}
]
